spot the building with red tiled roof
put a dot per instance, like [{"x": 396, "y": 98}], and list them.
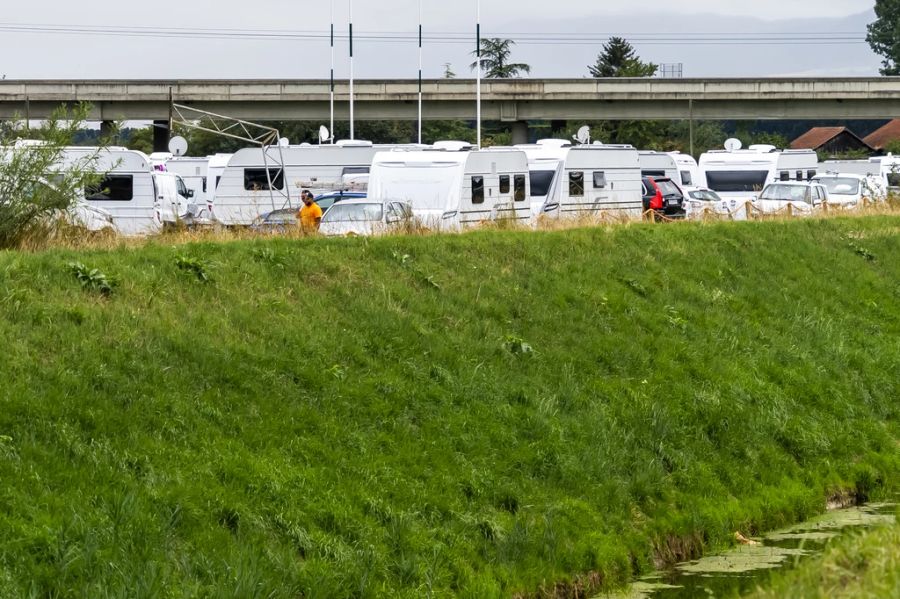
[
  {"x": 881, "y": 138},
  {"x": 831, "y": 140}
]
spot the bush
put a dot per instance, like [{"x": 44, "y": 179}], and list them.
[{"x": 36, "y": 185}]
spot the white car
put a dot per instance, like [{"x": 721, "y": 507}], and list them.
[
  {"x": 798, "y": 198},
  {"x": 848, "y": 189},
  {"x": 365, "y": 217},
  {"x": 700, "y": 200},
  {"x": 91, "y": 218}
]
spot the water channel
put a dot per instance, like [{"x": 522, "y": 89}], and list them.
[{"x": 747, "y": 567}]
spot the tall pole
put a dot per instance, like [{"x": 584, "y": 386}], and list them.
[
  {"x": 331, "y": 101},
  {"x": 352, "y": 126},
  {"x": 478, "y": 70},
  {"x": 420, "y": 72}
]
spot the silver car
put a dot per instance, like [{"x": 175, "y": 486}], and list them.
[{"x": 366, "y": 217}]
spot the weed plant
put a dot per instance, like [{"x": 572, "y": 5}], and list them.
[{"x": 475, "y": 415}]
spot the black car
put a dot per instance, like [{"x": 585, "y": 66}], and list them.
[{"x": 663, "y": 196}]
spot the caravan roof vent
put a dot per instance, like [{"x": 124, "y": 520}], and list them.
[
  {"x": 353, "y": 143},
  {"x": 453, "y": 146},
  {"x": 554, "y": 143},
  {"x": 762, "y": 148}
]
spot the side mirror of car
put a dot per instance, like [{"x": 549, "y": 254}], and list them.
[{"x": 190, "y": 193}]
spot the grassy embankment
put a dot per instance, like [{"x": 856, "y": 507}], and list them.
[
  {"x": 476, "y": 415},
  {"x": 864, "y": 566}
]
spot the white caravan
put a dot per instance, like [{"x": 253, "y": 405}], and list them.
[
  {"x": 659, "y": 164},
  {"x": 856, "y": 167},
  {"x": 546, "y": 161},
  {"x": 741, "y": 174},
  {"x": 689, "y": 175},
  {"x": 253, "y": 184},
  {"x": 450, "y": 190},
  {"x": 596, "y": 179},
  {"x": 127, "y": 191},
  {"x": 889, "y": 170}
]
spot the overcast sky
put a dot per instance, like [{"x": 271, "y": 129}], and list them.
[{"x": 710, "y": 37}]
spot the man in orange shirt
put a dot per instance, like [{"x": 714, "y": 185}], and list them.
[{"x": 311, "y": 214}]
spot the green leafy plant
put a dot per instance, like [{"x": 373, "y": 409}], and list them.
[
  {"x": 194, "y": 266},
  {"x": 91, "y": 278}
]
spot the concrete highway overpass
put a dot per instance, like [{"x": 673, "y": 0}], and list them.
[
  {"x": 504, "y": 100},
  {"x": 515, "y": 101}
]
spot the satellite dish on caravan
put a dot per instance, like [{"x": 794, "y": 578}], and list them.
[
  {"x": 324, "y": 134},
  {"x": 583, "y": 136},
  {"x": 178, "y": 146},
  {"x": 733, "y": 144},
  {"x": 283, "y": 142}
]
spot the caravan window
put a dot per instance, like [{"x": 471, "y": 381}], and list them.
[
  {"x": 736, "y": 181},
  {"x": 519, "y": 195},
  {"x": 256, "y": 179},
  {"x": 541, "y": 182},
  {"x": 893, "y": 179},
  {"x": 355, "y": 170},
  {"x": 478, "y": 190},
  {"x": 504, "y": 183},
  {"x": 785, "y": 176},
  {"x": 576, "y": 184},
  {"x": 799, "y": 175},
  {"x": 686, "y": 178},
  {"x": 810, "y": 175},
  {"x": 599, "y": 180},
  {"x": 653, "y": 173},
  {"x": 113, "y": 188},
  {"x": 204, "y": 184}
]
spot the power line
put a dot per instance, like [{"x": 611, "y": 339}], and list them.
[{"x": 573, "y": 39}]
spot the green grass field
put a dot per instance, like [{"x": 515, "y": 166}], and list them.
[{"x": 478, "y": 415}]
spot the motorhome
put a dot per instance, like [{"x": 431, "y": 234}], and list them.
[
  {"x": 139, "y": 198},
  {"x": 200, "y": 175},
  {"x": 454, "y": 189},
  {"x": 689, "y": 174},
  {"x": 659, "y": 164},
  {"x": 597, "y": 179},
  {"x": 254, "y": 182},
  {"x": 740, "y": 174}
]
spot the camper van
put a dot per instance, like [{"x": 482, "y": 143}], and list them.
[
  {"x": 659, "y": 164},
  {"x": 689, "y": 175},
  {"x": 595, "y": 179},
  {"x": 253, "y": 182},
  {"x": 454, "y": 189},
  {"x": 200, "y": 176},
  {"x": 740, "y": 175}
]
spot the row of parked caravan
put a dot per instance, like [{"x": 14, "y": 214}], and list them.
[{"x": 453, "y": 185}]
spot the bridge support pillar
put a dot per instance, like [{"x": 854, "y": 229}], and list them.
[
  {"x": 520, "y": 132},
  {"x": 161, "y": 136},
  {"x": 107, "y": 131}
]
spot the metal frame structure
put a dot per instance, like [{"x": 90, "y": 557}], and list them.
[{"x": 267, "y": 138}]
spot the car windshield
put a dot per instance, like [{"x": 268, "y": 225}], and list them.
[
  {"x": 785, "y": 193},
  {"x": 842, "y": 186},
  {"x": 343, "y": 213}
]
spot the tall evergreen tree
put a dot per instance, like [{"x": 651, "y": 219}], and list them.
[
  {"x": 884, "y": 35},
  {"x": 495, "y": 55},
  {"x": 619, "y": 59}
]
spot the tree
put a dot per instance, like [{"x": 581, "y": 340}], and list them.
[
  {"x": 38, "y": 185},
  {"x": 884, "y": 35},
  {"x": 495, "y": 55},
  {"x": 619, "y": 59}
]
